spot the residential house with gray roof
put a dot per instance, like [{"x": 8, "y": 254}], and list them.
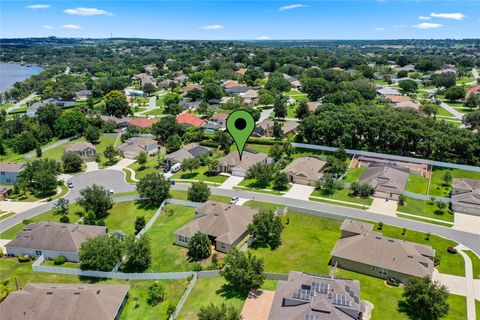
[
  {"x": 305, "y": 170},
  {"x": 132, "y": 148},
  {"x": 189, "y": 151},
  {"x": 388, "y": 182},
  {"x": 232, "y": 164},
  {"x": 466, "y": 196},
  {"x": 32, "y": 110},
  {"x": 86, "y": 150},
  {"x": 9, "y": 172}
]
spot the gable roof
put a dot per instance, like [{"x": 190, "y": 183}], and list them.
[
  {"x": 12, "y": 166},
  {"x": 79, "y": 146},
  {"x": 355, "y": 226},
  {"x": 141, "y": 122},
  {"x": 188, "y": 151},
  {"x": 225, "y": 222},
  {"x": 466, "y": 192},
  {"x": 189, "y": 119},
  {"x": 54, "y": 236},
  {"x": 386, "y": 178},
  {"x": 58, "y": 301},
  {"x": 306, "y": 167},
  {"x": 473, "y": 89},
  {"x": 249, "y": 158}
]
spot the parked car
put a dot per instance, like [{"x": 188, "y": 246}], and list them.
[
  {"x": 176, "y": 167},
  {"x": 172, "y": 181},
  {"x": 70, "y": 184},
  {"x": 234, "y": 200},
  {"x": 166, "y": 169},
  {"x": 111, "y": 191}
]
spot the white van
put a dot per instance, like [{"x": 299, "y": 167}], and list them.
[{"x": 176, "y": 167}]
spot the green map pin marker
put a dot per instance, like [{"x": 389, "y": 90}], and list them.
[{"x": 240, "y": 125}]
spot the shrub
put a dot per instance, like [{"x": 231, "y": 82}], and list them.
[
  {"x": 197, "y": 266},
  {"x": 24, "y": 258},
  {"x": 451, "y": 250},
  {"x": 59, "y": 260},
  {"x": 64, "y": 219}
]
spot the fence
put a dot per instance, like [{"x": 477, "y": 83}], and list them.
[{"x": 184, "y": 297}]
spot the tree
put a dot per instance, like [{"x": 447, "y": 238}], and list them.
[
  {"x": 142, "y": 159},
  {"x": 316, "y": 88},
  {"x": 424, "y": 299},
  {"x": 154, "y": 188},
  {"x": 243, "y": 270},
  {"x": 40, "y": 177},
  {"x": 302, "y": 110},
  {"x": 173, "y": 109},
  {"x": 280, "y": 181},
  {"x": 96, "y": 199},
  {"x": 472, "y": 120},
  {"x": 336, "y": 166},
  {"x": 198, "y": 192},
  {"x": 454, "y": 93},
  {"x": 116, "y": 104},
  {"x": 173, "y": 143},
  {"x": 61, "y": 207},
  {"x": 261, "y": 172},
  {"x": 221, "y": 312},
  {"x": 224, "y": 140},
  {"x": 447, "y": 79},
  {"x": 149, "y": 88},
  {"x": 472, "y": 101},
  {"x": 213, "y": 166},
  {"x": 280, "y": 107},
  {"x": 139, "y": 224},
  {"x": 328, "y": 183},
  {"x": 92, "y": 134},
  {"x": 430, "y": 109},
  {"x": 100, "y": 253},
  {"x": 171, "y": 98},
  {"x": 277, "y": 130},
  {"x": 138, "y": 253},
  {"x": 276, "y": 152},
  {"x": 212, "y": 91},
  {"x": 199, "y": 246},
  {"x": 408, "y": 86},
  {"x": 70, "y": 123},
  {"x": 72, "y": 162},
  {"x": 447, "y": 178},
  {"x": 277, "y": 82},
  {"x": 266, "y": 99},
  {"x": 266, "y": 228},
  {"x": 190, "y": 164},
  {"x": 111, "y": 153},
  {"x": 38, "y": 152},
  {"x": 48, "y": 115},
  {"x": 156, "y": 293}
]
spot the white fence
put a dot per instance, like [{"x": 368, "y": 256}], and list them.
[{"x": 184, "y": 298}]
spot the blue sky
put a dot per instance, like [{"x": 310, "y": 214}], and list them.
[{"x": 248, "y": 19}]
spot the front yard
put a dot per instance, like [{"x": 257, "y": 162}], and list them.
[
  {"x": 353, "y": 174},
  {"x": 437, "y": 186},
  {"x": 425, "y": 209},
  {"x": 342, "y": 195},
  {"x": 199, "y": 174}
]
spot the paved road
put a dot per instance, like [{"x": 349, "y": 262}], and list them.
[
  {"x": 475, "y": 73},
  {"x": 265, "y": 114},
  {"x": 452, "y": 110},
  {"x": 110, "y": 179},
  {"x": 22, "y": 102}
]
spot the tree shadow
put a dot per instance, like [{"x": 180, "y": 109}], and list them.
[
  {"x": 228, "y": 291},
  {"x": 146, "y": 205},
  {"x": 189, "y": 175}
]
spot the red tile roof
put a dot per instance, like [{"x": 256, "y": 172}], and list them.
[
  {"x": 141, "y": 122},
  {"x": 474, "y": 89},
  {"x": 190, "y": 119}
]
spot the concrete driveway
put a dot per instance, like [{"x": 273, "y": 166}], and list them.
[
  {"x": 231, "y": 182},
  {"x": 299, "y": 191},
  {"x": 258, "y": 304},
  {"x": 120, "y": 165},
  {"x": 382, "y": 206},
  {"x": 467, "y": 222}
]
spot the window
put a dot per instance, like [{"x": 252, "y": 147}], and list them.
[
  {"x": 182, "y": 239},
  {"x": 38, "y": 252},
  {"x": 382, "y": 271}
]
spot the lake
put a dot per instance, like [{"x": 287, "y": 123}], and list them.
[{"x": 11, "y": 73}]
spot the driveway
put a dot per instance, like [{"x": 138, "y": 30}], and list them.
[
  {"x": 467, "y": 222},
  {"x": 231, "y": 182},
  {"x": 258, "y": 304},
  {"x": 91, "y": 166},
  {"x": 381, "y": 206},
  {"x": 120, "y": 165},
  {"x": 299, "y": 191},
  {"x": 17, "y": 206}
]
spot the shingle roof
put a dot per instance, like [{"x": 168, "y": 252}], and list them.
[
  {"x": 248, "y": 159},
  {"x": 141, "y": 122},
  {"x": 466, "y": 192},
  {"x": 58, "y": 301},
  {"x": 53, "y": 236},
  {"x": 355, "y": 226},
  {"x": 386, "y": 178},
  {"x": 190, "y": 119},
  {"x": 306, "y": 167},
  {"x": 79, "y": 146},
  {"x": 188, "y": 151},
  {"x": 12, "y": 166}
]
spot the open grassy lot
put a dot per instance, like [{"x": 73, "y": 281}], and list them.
[
  {"x": 151, "y": 166},
  {"x": 475, "y": 263},
  {"x": 353, "y": 174},
  {"x": 57, "y": 153},
  {"x": 444, "y": 112},
  {"x": 417, "y": 184},
  {"x": 425, "y": 209},
  {"x": 257, "y": 147},
  {"x": 252, "y": 185},
  {"x": 437, "y": 187},
  {"x": 342, "y": 195},
  {"x": 210, "y": 290},
  {"x": 123, "y": 214},
  {"x": 10, "y": 268},
  {"x": 199, "y": 174}
]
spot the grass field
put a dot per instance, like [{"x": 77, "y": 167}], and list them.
[
  {"x": 57, "y": 152},
  {"x": 444, "y": 112},
  {"x": 123, "y": 214},
  {"x": 342, "y": 195},
  {"x": 475, "y": 263},
  {"x": 253, "y": 186},
  {"x": 437, "y": 187},
  {"x": 417, "y": 184},
  {"x": 199, "y": 174},
  {"x": 353, "y": 174},
  {"x": 425, "y": 209},
  {"x": 350, "y": 205},
  {"x": 151, "y": 166}
]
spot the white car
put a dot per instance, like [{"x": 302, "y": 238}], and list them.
[
  {"x": 111, "y": 191},
  {"x": 70, "y": 184},
  {"x": 234, "y": 200}
]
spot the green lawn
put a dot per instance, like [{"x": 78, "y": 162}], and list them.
[
  {"x": 437, "y": 187},
  {"x": 154, "y": 112},
  {"x": 10, "y": 268},
  {"x": 151, "y": 166},
  {"x": 250, "y": 184},
  {"x": 50, "y": 263},
  {"x": 465, "y": 80},
  {"x": 342, "y": 195},
  {"x": 199, "y": 174},
  {"x": 265, "y": 148},
  {"x": 291, "y": 111},
  {"x": 417, "y": 184},
  {"x": 123, "y": 214},
  {"x": 477, "y": 308},
  {"x": 350, "y": 205},
  {"x": 443, "y": 112},
  {"x": 353, "y": 174},
  {"x": 5, "y": 106},
  {"x": 425, "y": 209},
  {"x": 476, "y": 265},
  {"x": 182, "y": 195},
  {"x": 57, "y": 152},
  {"x": 210, "y": 290}
]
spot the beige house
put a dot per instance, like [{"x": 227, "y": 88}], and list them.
[
  {"x": 59, "y": 301},
  {"x": 466, "y": 196},
  {"x": 312, "y": 297},
  {"x": 134, "y": 146},
  {"x": 189, "y": 151},
  {"x": 225, "y": 225},
  {"x": 232, "y": 164},
  {"x": 364, "y": 251},
  {"x": 305, "y": 170},
  {"x": 86, "y": 150},
  {"x": 52, "y": 239},
  {"x": 388, "y": 181},
  {"x": 265, "y": 128}
]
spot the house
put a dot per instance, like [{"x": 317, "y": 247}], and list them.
[
  {"x": 466, "y": 196},
  {"x": 150, "y": 68},
  {"x": 220, "y": 119},
  {"x": 293, "y": 81},
  {"x": 232, "y": 164},
  {"x": 337, "y": 69},
  {"x": 188, "y": 151},
  {"x": 241, "y": 72},
  {"x": 133, "y": 93},
  {"x": 143, "y": 123},
  {"x": 232, "y": 84},
  {"x": 134, "y": 146},
  {"x": 225, "y": 224},
  {"x": 192, "y": 87},
  {"x": 4, "y": 192},
  {"x": 305, "y": 170},
  {"x": 165, "y": 84},
  {"x": 250, "y": 96},
  {"x": 313, "y": 105},
  {"x": 306, "y": 296},
  {"x": 189, "y": 120},
  {"x": 401, "y": 101},
  {"x": 237, "y": 90},
  {"x": 144, "y": 78},
  {"x": 186, "y": 103},
  {"x": 52, "y": 239},
  {"x": 9, "y": 171},
  {"x": 86, "y": 150},
  {"x": 364, "y": 251},
  {"x": 265, "y": 128},
  {"x": 180, "y": 79},
  {"x": 83, "y": 95},
  {"x": 388, "y": 91},
  {"x": 59, "y": 301},
  {"x": 408, "y": 68},
  {"x": 119, "y": 122},
  {"x": 473, "y": 89},
  {"x": 32, "y": 110},
  {"x": 421, "y": 169},
  {"x": 387, "y": 181}
]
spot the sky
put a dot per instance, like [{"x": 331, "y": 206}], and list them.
[{"x": 242, "y": 20}]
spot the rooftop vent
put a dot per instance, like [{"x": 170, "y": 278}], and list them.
[{"x": 49, "y": 292}]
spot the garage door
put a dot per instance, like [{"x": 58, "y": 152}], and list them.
[{"x": 238, "y": 173}]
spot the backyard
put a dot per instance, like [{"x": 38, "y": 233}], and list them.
[
  {"x": 437, "y": 185},
  {"x": 417, "y": 184}
]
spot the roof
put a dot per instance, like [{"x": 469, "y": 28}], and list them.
[
  {"x": 220, "y": 116},
  {"x": 473, "y": 89},
  {"x": 306, "y": 167},
  {"x": 241, "y": 71},
  {"x": 188, "y": 151},
  {"x": 114, "y": 119},
  {"x": 249, "y": 158},
  {"x": 137, "y": 144},
  {"x": 189, "y": 119},
  {"x": 231, "y": 84},
  {"x": 373, "y": 249},
  {"x": 355, "y": 226},
  {"x": 287, "y": 126},
  {"x": 307, "y": 296},
  {"x": 386, "y": 178},
  {"x": 252, "y": 94},
  {"x": 58, "y": 301},
  {"x": 141, "y": 122},
  {"x": 225, "y": 222},
  {"x": 466, "y": 192},
  {"x": 192, "y": 86},
  {"x": 54, "y": 236},
  {"x": 79, "y": 146},
  {"x": 388, "y": 91},
  {"x": 313, "y": 105},
  {"x": 12, "y": 166},
  {"x": 397, "y": 98},
  {"x": 237, "y": 90}
]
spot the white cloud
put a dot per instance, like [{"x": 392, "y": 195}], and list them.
[
  {"x": 379, "y": 29},
  {"x": 292, "y": 6},
  {"x": 424, "y": 18},
  {"x": 38, "y": 6},
  {"x": 47, "y": 27},
  {"x": 427, "y": 25},
  {"x": 71, "y": 26},
  {"x": 88, "y": 12},
  {"x": 263, "y": 38},
  {"x": 452, "y": 16},
  {"x": 212, "y": 27}
]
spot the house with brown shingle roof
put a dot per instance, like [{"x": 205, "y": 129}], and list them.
[
  {"x": 364, "y": 251},
  {"x": 265, "y": 128},
  {"x": 466, "y": 196},
  {"x": 9, "y": 171},
  {"x": 52, "y": 239},
  {"x": 225, "y": 224},
  {"x": 59, "y": 301},
  {"x": 134, "y": 146},
  {"x": 305, "y": 170},
  {"x": 313, "y": 297},
  {"x": 189, "y": 151},
  {"x": 388, "y": 181},
  {"x": 86, "y": 150},
  {"x": 232, "y": 164}
]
